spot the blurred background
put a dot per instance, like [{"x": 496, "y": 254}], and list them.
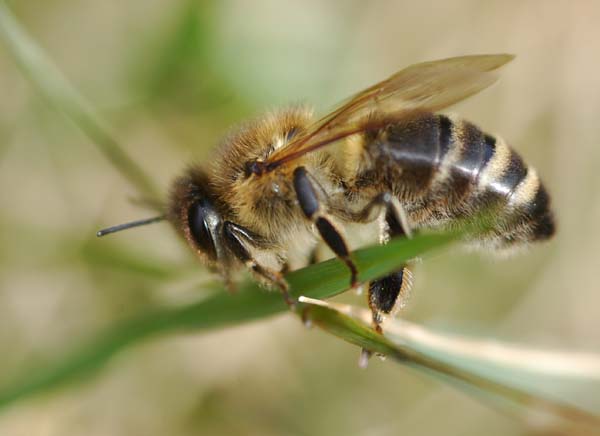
[{"x": 171, "y": 76}]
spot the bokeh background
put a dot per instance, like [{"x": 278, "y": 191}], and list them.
[{"x": 171, "y": 76}]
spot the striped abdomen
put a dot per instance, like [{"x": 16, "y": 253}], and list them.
[{"x": 444, "y": 169}]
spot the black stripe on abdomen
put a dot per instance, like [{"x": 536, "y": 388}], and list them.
[
  {"x": 444, "y": 136},
  {"x": 489, "y": 143},
  {"x": 415, "y": 148},
  {"x": 541, "y": 215},
  {"x": 476, "y": 150}
]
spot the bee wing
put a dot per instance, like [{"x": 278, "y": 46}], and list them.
[{"x": 424, "y": 87}]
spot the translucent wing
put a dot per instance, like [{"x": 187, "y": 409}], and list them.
[{"x": 424, "y": 87}]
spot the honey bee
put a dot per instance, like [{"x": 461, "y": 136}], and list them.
[{"x": 282, "y": 183}]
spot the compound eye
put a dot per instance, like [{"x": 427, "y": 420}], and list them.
[{"x": 203, "y": 221}]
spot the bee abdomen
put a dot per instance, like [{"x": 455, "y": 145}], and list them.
[
  {"x": 433, "y": 160},
  {"x": 488, "y": 175},
  {"x": 444, "y": 169}
]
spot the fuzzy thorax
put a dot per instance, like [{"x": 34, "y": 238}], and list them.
[{"x": 265, "y": 203}]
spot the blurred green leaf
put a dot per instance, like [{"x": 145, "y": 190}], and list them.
[
  {"x": 178, "y": 66},
  {"x": 120, "y": 258},
  {"x": 52, "y": 84},
  {"x": 222, "y": 310}
]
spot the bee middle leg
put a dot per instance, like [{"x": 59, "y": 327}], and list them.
[
  {"x": 312, "y": 207},
  {"x": 237, "y": 238},
  {"x": 395, "y": 217}
]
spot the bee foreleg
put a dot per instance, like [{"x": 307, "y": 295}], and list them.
[
  {"x": 236, "y": 238},
  {"x": 314, "y": 210}
]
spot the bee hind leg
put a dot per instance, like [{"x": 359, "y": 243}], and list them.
[
  {"x": 312, "y": 206},
  {"x": 387, "y": 294},
  {"x": 237, "y": 239}
]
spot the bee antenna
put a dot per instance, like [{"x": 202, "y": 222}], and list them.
[{"x": 129, "y": 225}]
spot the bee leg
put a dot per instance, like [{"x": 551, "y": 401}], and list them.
[
  {"x": 387, "y": 294},
  {"x": 310, "y": 203},
  {"x": 236, "y": 238},
  {"x": 395, "y": 217}
]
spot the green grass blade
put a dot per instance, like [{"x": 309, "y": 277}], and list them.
[
  {"x": 222, "y": 310},
  {"x": 568, "y": 378},
  {"x": 564, "y": 384},
  {"x": 51, "y": 83}
]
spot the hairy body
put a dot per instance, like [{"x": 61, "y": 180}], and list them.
[
  {"x": 440, "y": 169},
  {"x": 279, "y": 184}
]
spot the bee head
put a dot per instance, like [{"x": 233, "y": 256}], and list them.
[{"x": 197, "y": 215}]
